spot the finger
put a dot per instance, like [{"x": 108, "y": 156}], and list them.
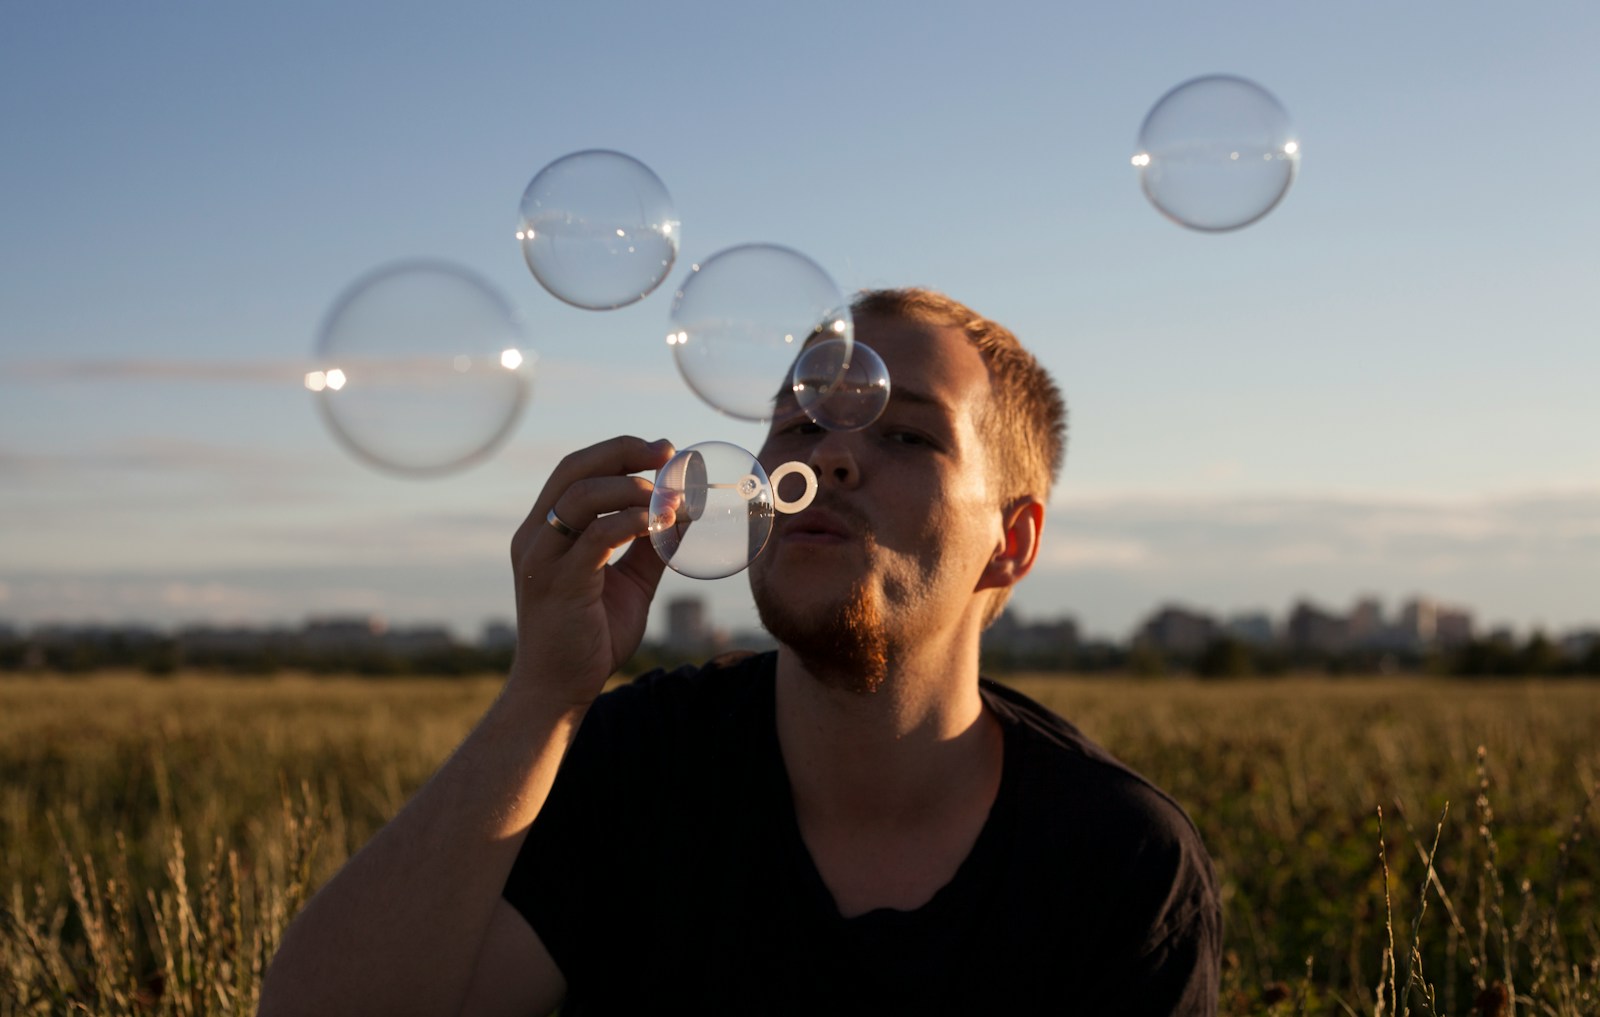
[
  {"x": 613, "y": 531},
  {"x": 594, "y": 497},
  {"x": 642, "y": 564},
  {"x": 600, "y": 540},
  {"x": 613, "y": 457},
  {"x": 628, "y": 528},
  {"x": 596, "y": 516}
]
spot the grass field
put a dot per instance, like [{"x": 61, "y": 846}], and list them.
[{"x": 159, "y": 833}]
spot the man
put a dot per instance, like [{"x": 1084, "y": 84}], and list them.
[{"x": 856, "y": 823}]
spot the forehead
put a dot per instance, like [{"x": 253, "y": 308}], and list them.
[{"x": 934, "y": 361}]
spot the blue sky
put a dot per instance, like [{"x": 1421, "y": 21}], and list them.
[{"x": 1385, "y": 387}]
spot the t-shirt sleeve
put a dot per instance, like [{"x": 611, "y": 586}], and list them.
[
  {"x": 1116, "y": 870},
  {"x": 597, "y": 873},
  {"x": 570, "y": 876},
  {"x": 1175, "y": 969},
  {"x": 1179, "y": 975}
]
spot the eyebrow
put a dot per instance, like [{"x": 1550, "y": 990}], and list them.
[
  {"x": 922, "y": 402},
  {"x": 787, "y": 405},
  {"x": 910, "y": 395}
]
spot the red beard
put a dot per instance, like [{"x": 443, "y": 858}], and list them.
[{"x": 845, "y": 646}]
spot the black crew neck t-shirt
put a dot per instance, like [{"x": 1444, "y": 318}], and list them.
[{"x": 667, "y": 874}]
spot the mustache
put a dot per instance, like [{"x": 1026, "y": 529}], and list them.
[{"x": 846, "y": 513}]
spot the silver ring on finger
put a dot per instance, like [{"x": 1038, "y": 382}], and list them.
[{"x": 561, "y": 527}]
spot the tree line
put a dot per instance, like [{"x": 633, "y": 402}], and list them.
[
  {"x": 1231, "y": 657},
  {"x": 1223, "y": 657}
]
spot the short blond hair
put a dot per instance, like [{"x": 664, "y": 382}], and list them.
[{"x": 1026, "y": 419}]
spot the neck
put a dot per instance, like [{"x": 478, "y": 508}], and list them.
[
  {"x": 892, "y": 756},
  {"x": 891, "y": 788}
]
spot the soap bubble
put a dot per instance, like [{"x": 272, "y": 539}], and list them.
[
  {"x": 1216, "y": 153},
  {"x": 598, "y": 229},
  {"x": 711, "y": 511},
  {"x": 741, "y": 317},
  {"x": 842, "y": 387},
  {"x": 420, "y": 368}
]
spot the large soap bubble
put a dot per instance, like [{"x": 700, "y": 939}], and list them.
[
  {"x": 598, "y": 229},
  {"x": 842, "y": 387},
  {"x": 713, "y": 507},
  {"x": 1216, "y": 153},
  {"x": 420, "y": 368},
  {"x": 742, "y": 316},
  {"x": 711, "y": 511}
]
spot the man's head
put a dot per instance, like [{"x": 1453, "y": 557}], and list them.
[{"x": 924, "y": 519}]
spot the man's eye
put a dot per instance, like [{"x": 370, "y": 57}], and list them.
[{"x": 800, "y": 425}]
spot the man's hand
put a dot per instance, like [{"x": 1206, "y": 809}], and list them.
[
  {"x": 579, "y": 618},
  {"x": 414, "y": 923}
]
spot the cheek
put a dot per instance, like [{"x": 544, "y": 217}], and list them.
[
  {"x": 942, "y": 511},
  {"x": 949, "y": 539},
  {"x": 971, "y": 530}
]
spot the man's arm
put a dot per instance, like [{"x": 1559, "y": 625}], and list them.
[
  {"x": 405, "y": 924},
  {"x": 515, "y": 975}
]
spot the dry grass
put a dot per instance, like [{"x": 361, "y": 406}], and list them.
[
  {"x": 1286, "y": 779},
  {"x": 158, "y": 834}
]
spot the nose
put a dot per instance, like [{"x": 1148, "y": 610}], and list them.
[{"x": 834, "y": 461}]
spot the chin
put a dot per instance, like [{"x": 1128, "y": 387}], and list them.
[{"x": 842, "y": 642}]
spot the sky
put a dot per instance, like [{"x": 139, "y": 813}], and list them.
[{"x": 1386, "y": 387}]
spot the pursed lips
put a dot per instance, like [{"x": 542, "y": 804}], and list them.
[{"x": 817, "y": 525}]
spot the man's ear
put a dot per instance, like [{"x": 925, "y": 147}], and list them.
[{"x": 1019, "y": 544}]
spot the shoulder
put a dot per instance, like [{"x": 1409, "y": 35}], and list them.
[
  {"x": 656, "y": 739},
  {"x": 722, "y": 685},
  {"x": 1118, "y": 843},
  {"x": 1056, "y": 755},
  {"x": 721, "y": 673},
  {"x": 665, "y": 712}
]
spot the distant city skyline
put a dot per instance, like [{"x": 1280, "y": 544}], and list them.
[{"x": 689, "y": 619}]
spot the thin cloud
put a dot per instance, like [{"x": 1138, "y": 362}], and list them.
[
  {"x": 275, "y": 372},
  {"x": 562, "y": 382},
  {"x": 461, "y": 596},
  {"x": 1519, "y": 557},
  {"x": 211, "y": 598},
  {"x": 168, "y": 475},
  {"x": 1300, "y": 553},
  {"x": 1073, "y": 553},
  {"x": 1344, "y": 521}
]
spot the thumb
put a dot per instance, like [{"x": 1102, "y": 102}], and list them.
[{"x": 642, "y": 565}]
